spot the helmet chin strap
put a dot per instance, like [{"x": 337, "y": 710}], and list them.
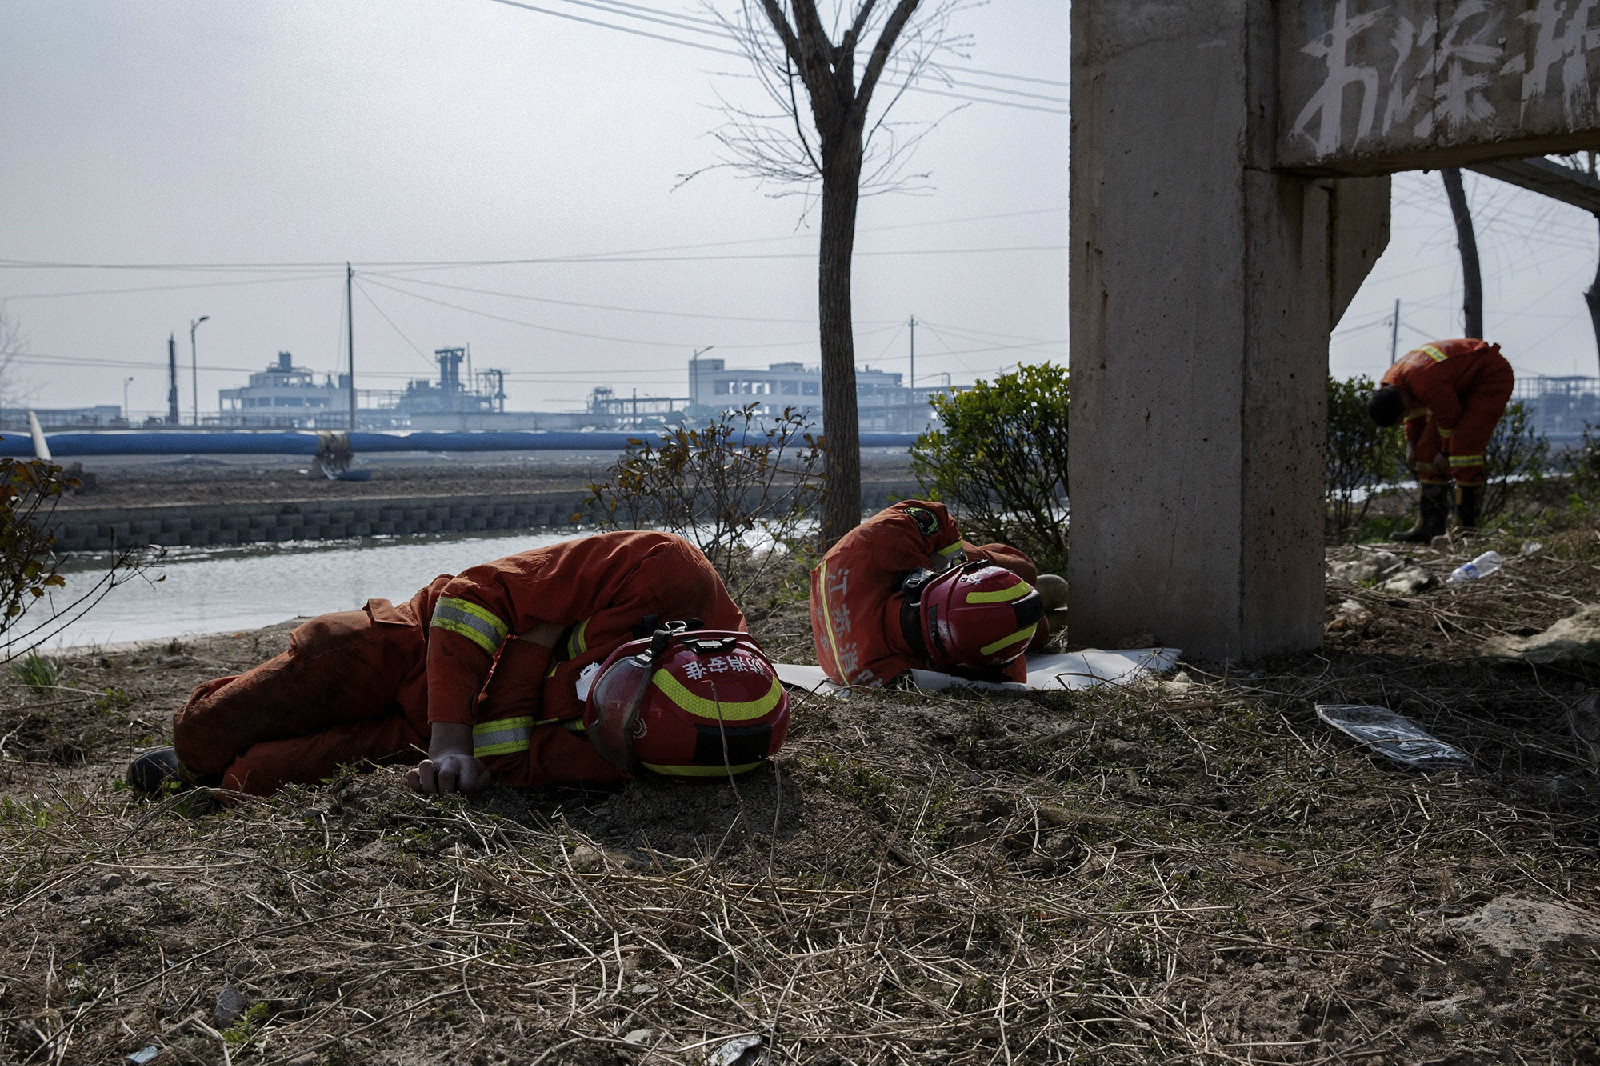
[{"x": 617, "y": 746}]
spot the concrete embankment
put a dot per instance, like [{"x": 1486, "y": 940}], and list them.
[{"x": 226, "y": 525}]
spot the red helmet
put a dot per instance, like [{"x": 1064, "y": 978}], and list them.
[
  {"x": 977, "y": 615},
  {"x": 688, "y": 703}
]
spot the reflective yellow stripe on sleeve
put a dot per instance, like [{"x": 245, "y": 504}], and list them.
[
  {"x": 577, "y": 643},
  {"x": 1434, "y": 352},
  {"x": 502, "y": 737},
  {"x": 469, "y": 620},
  {"x": 827, "y": 618},
  {"x": 950, "y": 549}
]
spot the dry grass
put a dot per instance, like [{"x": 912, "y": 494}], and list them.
[{"x": 1193, "y": 872}]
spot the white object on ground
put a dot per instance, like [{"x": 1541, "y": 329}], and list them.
[
  {"x": 1410, "y": 581},
  {"x": 1482, "y": 566},
  {"x": 1059, "y": 670}
]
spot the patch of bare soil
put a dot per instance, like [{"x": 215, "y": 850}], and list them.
[{"x": 1190, "y": 871}]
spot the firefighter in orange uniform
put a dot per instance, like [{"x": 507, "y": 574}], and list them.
[
  {"x": 903, "y": 591},
  {"x": 1451, "y": 394},
  {"x": 488, "y": 673}
]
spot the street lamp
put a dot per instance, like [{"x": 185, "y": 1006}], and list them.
[
  {"x": 125, "y": 383},
  {"x": 194, "y": 367},
  {"x": 694, "y": 374}
]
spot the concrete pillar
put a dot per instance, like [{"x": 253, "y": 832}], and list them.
[{"x": 1203, "y": 288}]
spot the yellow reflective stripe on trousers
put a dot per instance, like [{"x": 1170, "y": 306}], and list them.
[
  {"x": 1015, "y": 592},
  {"x": 725, "y": 710},
  {"x": 469, "y": 620},
  {"x": 1466, "y": 460},
  {"x": 1434, "y": 353},
  {"x": 502, "y": 737},
  {"x": 1021, "y": 634}
]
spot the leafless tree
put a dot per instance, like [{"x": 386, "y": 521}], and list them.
[
  {"x": 1586, "y": 163},
  {"x": 12, "y": 344},
  {"x": 820, "y": 138},
  {"x": 1467, "y": 242}
]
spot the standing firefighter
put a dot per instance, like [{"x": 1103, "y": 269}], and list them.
[
  {"x": 902, "y": 591},
  {"x": 1451, "y": 394},
  {"x": 575, "y": 664}
]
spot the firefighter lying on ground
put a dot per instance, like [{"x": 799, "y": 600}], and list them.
[
  {"x": 903, "y": 591},
  {"x": 575, "y": 664},
  {"x": 1451, "y": 394}
]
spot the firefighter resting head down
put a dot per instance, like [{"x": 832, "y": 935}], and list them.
[{"x": 902, "y": 591}]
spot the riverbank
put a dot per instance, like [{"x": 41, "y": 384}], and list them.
[{"x": 216, "y": 503}]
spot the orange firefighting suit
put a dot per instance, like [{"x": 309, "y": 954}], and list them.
[
  {"x": 1455, "y": 392},
  {"x": 364, "y": 686},
  {"x": 855, "y": 590}
]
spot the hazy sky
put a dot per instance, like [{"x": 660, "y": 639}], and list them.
[{"x": 239, "y": 154}]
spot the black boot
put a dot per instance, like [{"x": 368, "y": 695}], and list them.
[
  {"x": 1468, "y": 500},
  {"x": 1434, "y": 512},
  {"x": 157, "y": 770}
]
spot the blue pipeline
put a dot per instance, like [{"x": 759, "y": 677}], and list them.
[{"x": 135, "y": 442}]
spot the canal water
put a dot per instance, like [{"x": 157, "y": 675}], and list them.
[{"x": 215, "y": 592}]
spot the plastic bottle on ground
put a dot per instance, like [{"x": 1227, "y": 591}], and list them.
[{"x": 1482, "y": 566}]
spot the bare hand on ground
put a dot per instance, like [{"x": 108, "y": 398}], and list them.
[{"x": 448, "y": 772}]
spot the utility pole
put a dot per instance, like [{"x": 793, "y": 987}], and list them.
[
  {"x": 1394, "y": 333},
  {"x": 172, "y": 379},
  {"x": 194, "y": 367},
  {"x": 913, "y": 382},
  {"x": 350, "y": 338}
]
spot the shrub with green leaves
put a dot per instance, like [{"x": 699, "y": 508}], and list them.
[
  {"x": 1581, "y": 461},
  {"x": 1514, "y": 459},
  {"x": 1360, "y": 455},
  {"x": 717, "y": 485},
  {"x": 1000, "y": 460},
  {"x": 29, "y": 489},
  {"x": 29, "y": 492}
]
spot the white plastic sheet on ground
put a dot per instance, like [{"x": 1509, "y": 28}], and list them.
[{"x": 1060, "y": 670}]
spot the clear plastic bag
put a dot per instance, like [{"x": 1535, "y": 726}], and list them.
[{"x": 1393, "y": 736}]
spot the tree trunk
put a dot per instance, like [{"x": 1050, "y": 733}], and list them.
[
  {"x": 841, "y": 192},
  {"x": 1467, "y": 241},
  {"x": 1591, "y": 296}
]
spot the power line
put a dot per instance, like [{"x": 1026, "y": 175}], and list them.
[
  {"x": 594, "y": 307},
  {"x": 566, "y": 260},
  {"x": 684, "y": 23},
  {"x": 165, "y": 288},
  {"x": 589, "y": 336},
  {"x": 398, "y": 331}
]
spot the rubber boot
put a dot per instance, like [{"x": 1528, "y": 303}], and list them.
[
  {"x": 1434, "y": 512},
  {"x": 1468, "y": 500}
]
